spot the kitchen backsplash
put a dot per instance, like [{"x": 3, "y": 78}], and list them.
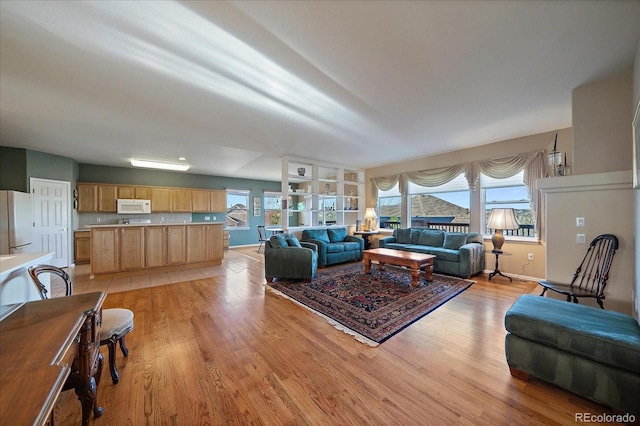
[{"x": 85, "y": 219}]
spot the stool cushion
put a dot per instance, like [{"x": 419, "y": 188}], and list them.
[
  {"x": 115, "y": 321},
  {"x": 608, "y": 337}
]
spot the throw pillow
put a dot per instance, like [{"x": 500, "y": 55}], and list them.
[
  {"x": 415, "y": 236},
  {"x": 337, "y": 235},
  {"x": 431, "y": 237},
  {"x": 293, "y": 241},
  {"x": 454, "y": 241},
  {"x": 315, "y": 234},
  {"x": 403, "y": 236},
  {"x": 278, "y": 241}
]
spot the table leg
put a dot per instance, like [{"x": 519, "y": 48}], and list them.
[
  {"x": 428, "y": 271},
  {"x": 415, "y": 273},
  {"x": 367, "y": 265},
  {"x": 380, "y": 266},
  {"x": 497, "y": 271}
]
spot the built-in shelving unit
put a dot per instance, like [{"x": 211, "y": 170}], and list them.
[{"x": 320, "y": 194}]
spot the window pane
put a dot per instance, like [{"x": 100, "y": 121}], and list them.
[
  {"x": 513, "y": 196},
  {"x": 272, "y": 210},
  {"x": 389, "y": 209},
  {"x": 444, "y": 210},
  {"x": 237, "y": 211}
]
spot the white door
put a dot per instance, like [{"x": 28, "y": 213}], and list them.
[{"x": 51, "y": 217}]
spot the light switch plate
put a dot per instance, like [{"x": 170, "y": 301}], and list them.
[
  {"x": 580, "y": 222},
  {"x": 580, "y": 239}
]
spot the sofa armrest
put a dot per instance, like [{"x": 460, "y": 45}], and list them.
[
  {"x": 322, "y": 249},
  {"x": 279, "y": 262},
  {"x": 471, "y": 259},
  {"x": 383, "y": 241},
  {"x": 354, "y": 239},
  {"x": 308, "y": 245}
]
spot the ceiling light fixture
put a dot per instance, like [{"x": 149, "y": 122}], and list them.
[{"x": 160, "y": 165}]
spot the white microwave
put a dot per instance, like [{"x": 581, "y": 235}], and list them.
[{"x": 126, "y": 206}]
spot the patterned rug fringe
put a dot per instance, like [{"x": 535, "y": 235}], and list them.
[{"x": 359, "y": 337}]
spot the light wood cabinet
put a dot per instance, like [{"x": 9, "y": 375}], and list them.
[
  {"x": 181, "y": 200},
  {"x": 176, "y": 245},
  {"x": 134, "y": 192},
  {"x": 127, "y": 248},
  {"x": 214, "y": 242},
  {"x": 87, "y": 197},
  {"x": 217, "y": 201},
  {"x": 197, "y": 243},
  {"x": 200, "y": 201},
  {"x": 155, "y": 246},
  {"x": 160, "y": 200},
  {"x": 82, "y": 247},
  {"x": 132, "y": 248},
  {"x": 107, "y": 198},
  {"x": 104, "y": 250}
]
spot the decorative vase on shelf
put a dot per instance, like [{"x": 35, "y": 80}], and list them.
[
  {"x": 327, "y": 188},
  {"x": 301, "y": 171}
]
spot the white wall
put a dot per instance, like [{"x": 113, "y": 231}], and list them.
[
  {"x": 636, "y": 193},
  {"x": 601, "y": 120}
]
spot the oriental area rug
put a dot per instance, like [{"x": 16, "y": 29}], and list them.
[{"x": 371, "y": 307}]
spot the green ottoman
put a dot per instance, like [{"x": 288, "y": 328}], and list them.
[{"x": 592, "y": 352}]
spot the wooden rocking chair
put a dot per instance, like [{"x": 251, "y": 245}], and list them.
[{"x": 590, "y": 278}]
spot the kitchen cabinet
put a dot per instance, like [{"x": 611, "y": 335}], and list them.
[
  {"x": 87, "y": 197},
  {"x": 176, "y": 245},
  {"x": 104, "y": 250},
  {"x": 200, "y": 201},
  {"x": 107, "y": 198},
  {"x": 134, "y": 192},
  {"x": 181, "y": 200},
  {"x": 82, "y": 247},
  {"x": 197, "y": 244},
  {"x": 121, "y": 248},
  {"x": 132, "y": 248},
  {"x": 217, "y": 201},
  {"x": 160, "y": 200},
  {"x": 155, "y": 246}
]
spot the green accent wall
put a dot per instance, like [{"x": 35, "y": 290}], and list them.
[
  {"x": 50, "y": 166},
  {"x": 13, "y": 169}
]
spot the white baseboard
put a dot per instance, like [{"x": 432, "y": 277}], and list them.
[{"x": 516, "y": 277}]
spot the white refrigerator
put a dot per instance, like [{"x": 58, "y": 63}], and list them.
[{"x": 16, "y": 222}]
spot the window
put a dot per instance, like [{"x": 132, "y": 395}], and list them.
[
  {"x": 509, "y": 193},
  {"x": 237, "y": 209},
  {"x": 444, "y": 207},
  {"x": 390, "y": 208},
  {"x": 272, "y": 208}
]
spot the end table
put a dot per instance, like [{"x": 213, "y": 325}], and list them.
[{"x": 496, "y": 271}]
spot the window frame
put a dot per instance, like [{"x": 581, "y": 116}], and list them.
[{"x": 272, "y": 194}]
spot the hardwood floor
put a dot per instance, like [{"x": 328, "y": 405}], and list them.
[{"x": 218, "y": 349}]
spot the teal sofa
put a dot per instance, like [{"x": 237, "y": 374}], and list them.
[
  {"x": 286, "y": 257},
  {"x": 335, "y": 245},
  {"x": 589, "y": 351},
  {"x": 459, "y": 254}
]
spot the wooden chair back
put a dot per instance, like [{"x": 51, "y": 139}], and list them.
[
  {"x": 35, "y": 271},
  {"x": 593, "y": 272}
]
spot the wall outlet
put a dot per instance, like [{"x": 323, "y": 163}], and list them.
[
  {"x": 207, "y": 218},
  {"x": 530, "y": 256},
  {"x": 161, "y": 218},
  {"x": 581, "y": 239},
  {"x": 214, "y": 218},
  {"x": 98, "y": 220}
]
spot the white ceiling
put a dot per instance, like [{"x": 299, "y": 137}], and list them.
[{"x": 234, "y": 86}]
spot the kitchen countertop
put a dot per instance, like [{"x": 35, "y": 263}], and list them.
[
  {"x": 121, "y": 225},
  {"x": 11, "y": 262}
]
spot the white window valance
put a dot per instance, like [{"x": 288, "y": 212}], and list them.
[{"x": 532, "y": 163}]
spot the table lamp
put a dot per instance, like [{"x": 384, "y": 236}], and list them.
[
  {"x": 500, "y": 219},
  {"x": 370, "y": 219}
]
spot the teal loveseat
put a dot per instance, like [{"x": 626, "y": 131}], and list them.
[
  {"x": 589, "y": 351},
  {"x": 335, "y": 245},
  {"x": 459, "y": 254},
  {"x": 286, "y": 257}
]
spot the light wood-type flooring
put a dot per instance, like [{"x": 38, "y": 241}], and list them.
[{"x": 211, "y": 347}]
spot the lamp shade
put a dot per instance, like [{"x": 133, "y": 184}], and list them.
[
  {"x": 502, "y": 219},
  {"x": 370, "y": 219}
]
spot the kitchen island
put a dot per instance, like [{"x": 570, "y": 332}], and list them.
[
  {"x": 130, "y": 249},
  {"x": 16, "y": 285}
]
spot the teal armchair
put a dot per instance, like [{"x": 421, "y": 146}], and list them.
[{"x": 286, "y": 257}]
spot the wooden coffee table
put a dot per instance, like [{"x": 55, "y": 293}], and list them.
[{"x": 415, "y": 261}]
